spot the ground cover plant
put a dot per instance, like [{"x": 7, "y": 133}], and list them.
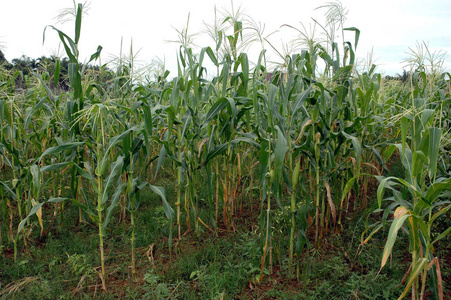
[{"x": 315, "y": 179}]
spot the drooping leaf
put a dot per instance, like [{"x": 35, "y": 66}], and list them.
[
  {"x": 160, "y": 191},
  {"x": 118, "y": 191},
  {"x": 392, "y": 235},
  {"x": 116, "y": 167}
]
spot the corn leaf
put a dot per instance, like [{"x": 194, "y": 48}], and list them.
[
  {"x": 416, "y": 271},
  {"x": 160, "y": 191},
  {"x": 119, "y": 189},
  {"x": 434, "y": 147},
  {"x": 392, "y": 234},
  {"x": 116, "y": 167}
]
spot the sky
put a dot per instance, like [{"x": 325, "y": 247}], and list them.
[{"x": 390, "y": 29}]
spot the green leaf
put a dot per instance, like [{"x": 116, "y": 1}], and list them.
[
  {"x": 281, "y": 149},
  {"x": 217, "y": 150},
  {"x": 436, "y": 189},
  {"x": 349, "y": 185},
  {"x": 113, "y": 204},
  {"x": 357, "y": 35},
  {"x": 86, "y": 209},
  {"x": 212, "y": 56},
  {"x": 418, "y": 161},
  {"x": 392, "y": 234},
  {"x": 75, "y": 79},
  {"x": 96, "y": 54},
  {"x": 36, "y": 180},
  {"x": 56, "y": 74},
  {"x": 116, "y": 167},
  {"x": 416, "y": 271},
  {"x": 72, "y": 51},
  {"x": 147, "y": 119},
  {"x": 60, "y": 148},
  {"x": 112, "y": 143},
  {"x": 11, "y": 193},
  {"x": 161, "y": 158},
  {"x": 356, "y": 147},
  {"x": 78, "y": 23},
  {"x": 169, "y": 212},
  {"x": 35, "y": 209},
  {"x": 215, "y": 109},
  {"x": 54, "y": 167},
  {"x": 434, "y": 147},
  {"x": 442, "y": 235}
]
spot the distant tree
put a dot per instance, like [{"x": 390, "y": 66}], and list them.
[
  {"x": 2, "y": 57},
  {"x": 24, "y": 64}
]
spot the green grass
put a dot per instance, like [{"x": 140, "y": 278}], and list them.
[{"x": 200, "y": 268}]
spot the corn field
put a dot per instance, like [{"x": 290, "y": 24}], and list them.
[{"x": 310, "y": 141}]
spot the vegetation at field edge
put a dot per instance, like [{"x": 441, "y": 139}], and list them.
[{"x": 314, "y": 178}]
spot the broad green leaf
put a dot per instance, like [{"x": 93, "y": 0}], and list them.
[
  {"x": 96, "y": 54},
  {"x": 436, "y": 189},
  {"x": 113, "y": 204},
  {"x": 215, "y": 109},
  {"x": 60, "y": 148},
  {"x": 11, "y": 193},
  {"x": 212, "y": 56},
  {"x": 112, "y": 143},
  {"x": 356, "y": 147},
  {"x": 392, "y": 234},
  {"x": 418, "y": 161},
  {"x": 86, "y": 209},
  {"x": 36, "y": 207},
  {"x": 147, "y": 119},
  {"x": 116, "y": 167},
  {"x": 263, "y": 159},
  {"x": 404, "y": 124},
  {"x": 56, "y": 199},
  {"x": 441, "y": 211},
  {"x": 36, "y": 180},
  {"x": 75, "y": 79},
  {"x": 279, "y": 154},
  {"x": 218, "y": 150},
  {"x": 357, "y": 35},
  {"x": 343, "y": 72},
  {"x": 72, "y": 51},
  {"x": 33, "y": 211},
  {"x": 186, "y": 123},
  {"x": 161, "y": 158},
  {"x": 363, "y": 242},
  {"x": 169, "y": 212},
  {"x": 434, "y": 148},
  {"x": 78, "y": 22},
  {"x": 298, "y": 103},
  {"x": 56, "y": 74},
  {"x": 442, "y": 235}
]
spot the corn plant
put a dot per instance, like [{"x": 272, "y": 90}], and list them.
[{"x": 419, "y": 199}]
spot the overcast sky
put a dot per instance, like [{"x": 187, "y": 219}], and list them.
[{"x": 388, "y": 27}]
